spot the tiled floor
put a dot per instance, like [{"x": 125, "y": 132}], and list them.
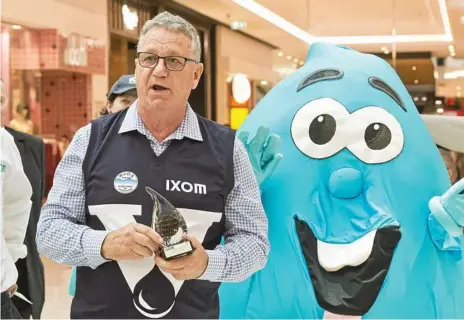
[{"x": 57, "y": 300}]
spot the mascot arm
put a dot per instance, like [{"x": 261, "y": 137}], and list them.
[
  {"x": 263, "y": 152},
  {"x": 446, "y": 220}
]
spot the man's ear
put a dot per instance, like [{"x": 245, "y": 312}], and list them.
[
  {"x": 197, "y": 75},
  {"x": 108, "y": 106}
]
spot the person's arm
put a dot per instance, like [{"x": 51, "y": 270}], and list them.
[
  {"x": 246, "y": 246},
  {"x": 16, "y": 198},
  {"x": 61, "y": 232}
]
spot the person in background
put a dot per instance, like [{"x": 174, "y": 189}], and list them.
[
  {"x": 16, "y": 192},
  {"x": 450, "y": 163},
  {"x": 122, "y": 95},
  {"x": 99, "y": 211},
  {"x": 22, "y": 119}
]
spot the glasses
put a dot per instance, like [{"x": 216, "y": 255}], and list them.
[{"x": 173, "y": 63}]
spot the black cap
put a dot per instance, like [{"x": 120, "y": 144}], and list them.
[{"x": 124, "y": 84}]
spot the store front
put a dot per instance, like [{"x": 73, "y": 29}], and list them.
[{"x": 48, "y": 77}]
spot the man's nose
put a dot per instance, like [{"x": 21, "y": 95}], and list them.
[
  {"x": 345, "y": 183},
  {"x": 160, "y": 69}
]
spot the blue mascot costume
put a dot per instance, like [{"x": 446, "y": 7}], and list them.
[{"x": 363, "y": 221}]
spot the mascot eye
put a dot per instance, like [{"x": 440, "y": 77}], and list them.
[
  {"x": 379, "y": 135},
  {"x": 322, "y": 129},
  {"x": 316, "y": 128}
]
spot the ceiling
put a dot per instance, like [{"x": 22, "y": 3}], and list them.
[{"x": 366, "y": 23}]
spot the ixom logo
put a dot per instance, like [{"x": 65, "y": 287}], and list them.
[{"x": 182, "y": 186}]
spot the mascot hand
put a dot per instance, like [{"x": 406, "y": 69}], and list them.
[
  {"x": 448, "y": 209},
  {"x": 263, "y": 152}
]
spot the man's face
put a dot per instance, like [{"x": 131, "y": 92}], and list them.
[
  {"x": 160, "y": 88},
  {"x": 121, "y": 102}
]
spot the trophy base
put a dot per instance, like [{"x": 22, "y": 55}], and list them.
[{"x": 176, "y": 251}]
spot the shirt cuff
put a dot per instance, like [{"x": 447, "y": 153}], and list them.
[
  {"x": 92, "y": 241},
  {"x": 215, "y": 267}
]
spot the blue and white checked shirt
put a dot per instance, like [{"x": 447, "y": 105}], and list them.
[{"x": 63, "y": 236}]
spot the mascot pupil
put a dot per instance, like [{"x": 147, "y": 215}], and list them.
[{"x": 363, "y": 220}]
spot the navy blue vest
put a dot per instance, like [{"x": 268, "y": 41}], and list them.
[{"x": 196, "y": 177}]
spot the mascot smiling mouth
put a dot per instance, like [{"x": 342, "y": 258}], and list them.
[{"x": 348, "y": 288}]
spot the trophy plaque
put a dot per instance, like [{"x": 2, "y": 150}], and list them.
[{"x": 168, "y": 222}]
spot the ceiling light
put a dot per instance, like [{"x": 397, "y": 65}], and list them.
[
  {"x": 275, "y": 19},
  {"x": 301, "y": 63},
  {"x": 295, "y": 60},
  {"x": 440, "y": 110},
  {"x": 264, "y": 82},
  {"x": 238, "y": 25},
  {"x": 280, "y": 54},
  {"x": 289, "y": 57},
  {"x": 292, "y": 29},
  {"x": 454, "y": 74},
  {"x": 416, "y": 81},
  {"x": 424, "y": 99},
  {"x": 438, "y": 102},
  {"x": 16, "y": 27},
  {"x": 416, "y": 99},
  {"x": 414, "y": 68}
]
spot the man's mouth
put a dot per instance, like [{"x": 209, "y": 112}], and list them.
[
  {"x": 159, "y": 88},
  {"x": 347, "y": 278}
]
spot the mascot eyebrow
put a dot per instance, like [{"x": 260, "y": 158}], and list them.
[
  {"x": 320, "y": 75},
  {"x": 335, "y": 74},
  {"x": 379, "y": 84}
]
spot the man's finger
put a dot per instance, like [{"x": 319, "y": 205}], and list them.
[
  {"x": 195, "y": 243},
  {"x": 176, "y": 264},
  {"x": 141, "y": 250},
  {"x": 149, "y": 232},
  {"x": 145, "y": 241}
]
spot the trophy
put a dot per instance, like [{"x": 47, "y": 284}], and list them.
[{"x": 170, "y": 225}]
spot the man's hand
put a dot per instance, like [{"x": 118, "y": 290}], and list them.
[
  {"x": 263, "y": 152},
  {"x": 188, "y": 267},
  {"x": 132, "y": 242},
  {"x": 12, "y": 290}
]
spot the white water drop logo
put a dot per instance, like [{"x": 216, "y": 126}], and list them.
[{"x": 126, "y": 182}]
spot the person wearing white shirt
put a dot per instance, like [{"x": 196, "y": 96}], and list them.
[{"x": 15, "y": 206}]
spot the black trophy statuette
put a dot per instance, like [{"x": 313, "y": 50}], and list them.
[{"x": 170, "y": 225}]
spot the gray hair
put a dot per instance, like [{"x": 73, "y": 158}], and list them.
[{"x": 175, "y": 23}]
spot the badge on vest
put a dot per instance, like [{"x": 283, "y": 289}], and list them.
[{"x": 126, "y": 182}]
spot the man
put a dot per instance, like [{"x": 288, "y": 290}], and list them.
[
  {"x": 122, "y": 95},
  {"x": 30, "y": 269},
  {"x": 98, "y": 214},
  {"x": 16, "y": 192}
]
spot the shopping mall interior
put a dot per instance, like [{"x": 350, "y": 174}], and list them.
[{"x": 59, "y": 59}]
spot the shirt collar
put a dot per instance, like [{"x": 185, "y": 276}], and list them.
[{"x": 189, "y": 128}]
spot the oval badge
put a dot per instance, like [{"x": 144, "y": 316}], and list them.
[{"x": 126, "y": 182}]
